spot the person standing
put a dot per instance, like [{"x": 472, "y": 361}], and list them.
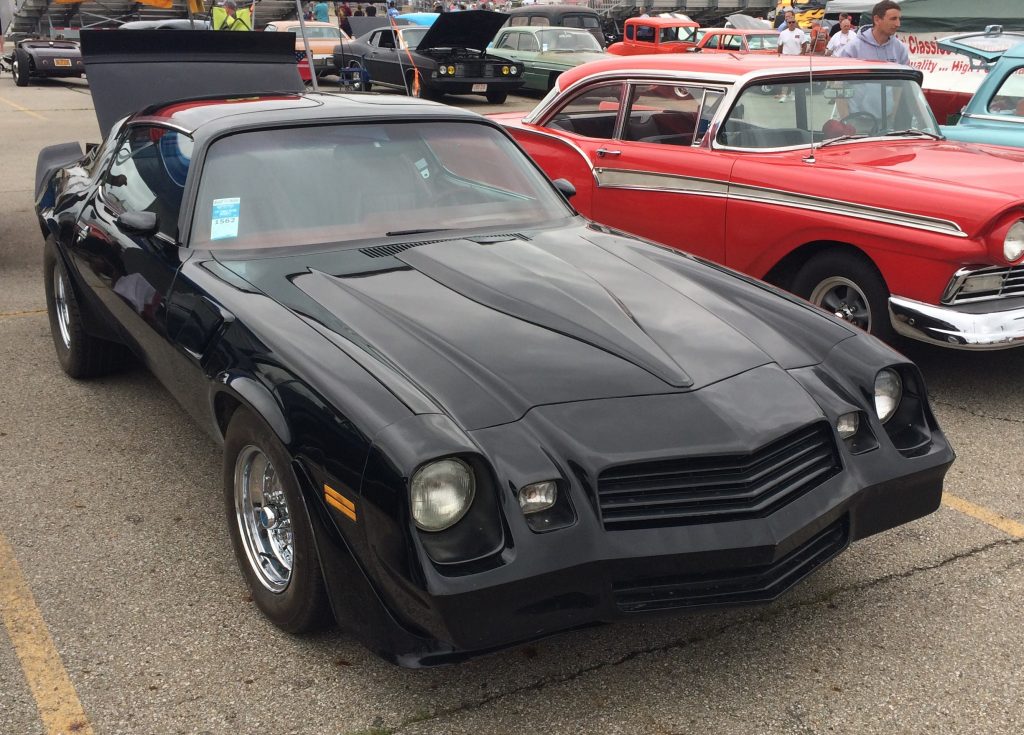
[
  {"x": 392, "y": 10},
  {"x": 792, "y": 42},
  {"x": 321, "y": 13},
  {"x": 879, "y": 42},
  {"x": 839, "y": 41}
]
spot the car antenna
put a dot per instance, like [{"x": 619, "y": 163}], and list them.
[
  {"x": 809, "y": 158},
  {"x": 305, "y": 42}
]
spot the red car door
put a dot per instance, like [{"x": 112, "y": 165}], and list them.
[{"x": 654, "y": 178}]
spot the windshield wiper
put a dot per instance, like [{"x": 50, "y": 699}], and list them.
[
  {"x": 914, "y": 131},
  {"x": 398, "y": 233},
  {"x": 842, "y": 139}
]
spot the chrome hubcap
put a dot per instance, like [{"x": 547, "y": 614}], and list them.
[
  {"x": 60, "y": 306},
  {"x": 843, "y": 298},
  {"x": 14, "y": 68},
  {"x": 264, "y": 520}
]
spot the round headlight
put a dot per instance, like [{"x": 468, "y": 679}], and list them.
[
  {"x": 451, "y": 69},
  {"x": 443, "y": 69},
  {"x": 441, "y": 493},
  {"x": 1013, "y": 245},
  {"x": 888, "y": 393},
  {"x": 504, "y": 70},
  {"x": 514, "y": 70}
]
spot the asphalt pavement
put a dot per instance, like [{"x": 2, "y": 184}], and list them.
[{"x": 122, "y": 610}]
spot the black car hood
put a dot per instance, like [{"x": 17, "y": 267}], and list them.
[
  {"x": 131, "y": 70},
  {"x": 489, "y": 330},
  {"x": 466, "y": 29}
]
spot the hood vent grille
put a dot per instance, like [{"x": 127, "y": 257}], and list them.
[{"x": 384, "y": 251}]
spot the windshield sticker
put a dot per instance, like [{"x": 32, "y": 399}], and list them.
[
  {"x": 421, "y": 166},
  {"x": 224, "y": 223}
]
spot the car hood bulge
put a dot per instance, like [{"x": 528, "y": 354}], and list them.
[{"x": 490, "y": 330}]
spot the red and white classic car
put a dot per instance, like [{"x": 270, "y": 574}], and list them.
[{"x": 845, "y": 193}]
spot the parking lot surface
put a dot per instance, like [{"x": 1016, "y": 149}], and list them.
[{"x": 122, "y": 610}]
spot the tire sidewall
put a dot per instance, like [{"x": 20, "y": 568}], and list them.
[
  {"x": 860, "y": 272},
  {"x": 290, "y": 608},
  {"x": 22, "y": 71},
  {"x": 67, "y": 356}
]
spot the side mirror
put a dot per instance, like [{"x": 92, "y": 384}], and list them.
[
  {"x": 565, "y": 187},
  {"x": 138, "y": 223}
]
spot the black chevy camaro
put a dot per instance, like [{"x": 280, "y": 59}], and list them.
[
  {"x": 449, "y": 57},
  {"x": 455, "y": 414}
]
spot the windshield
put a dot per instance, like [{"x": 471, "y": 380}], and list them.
[
  {"x": 1009, "y": 98},
  {"x": 763, "y": 41},
  {"x": 327, "y": 184},
  {"x": 413, "y": 36},
  {"x": 320, "y": 32},
  {"x": 678, "y": 33},
  {"x": 777, "y": 115},
  {"x": 564, "y": 40}
]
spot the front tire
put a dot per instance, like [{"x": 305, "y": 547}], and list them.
[
  {"x": 80, "y": 354},
  {"x": 849, "y": 287},
  {"x": 356, "y": 80},
  {"x": 270, "y": 530},
  {"x": 496, "y": 97},
  {"x": 21, "y": 68}
]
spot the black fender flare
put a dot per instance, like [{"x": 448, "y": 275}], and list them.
[{"x": 247, "y": 391}]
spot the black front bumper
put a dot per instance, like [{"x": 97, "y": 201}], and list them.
[{"x": 639, "y": 572}]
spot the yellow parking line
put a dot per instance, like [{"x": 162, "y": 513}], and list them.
[
  {"x": 55, "y": 695},
  {"x": 1002, "y": 523},
  {"x": 19, "y": 108},
  {"x": 15, "y": 314}
]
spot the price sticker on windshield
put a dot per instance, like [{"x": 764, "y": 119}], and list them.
[{"x": 224, "y": 222}]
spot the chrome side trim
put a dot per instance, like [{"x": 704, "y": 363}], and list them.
[
  {"x": 941, "y": 325},
  {"x": 654, "y": 181},
  {"x": 995, "y": 118},
  {"x": 649, "y": 181},
  {"x": 846, "y": 209}
]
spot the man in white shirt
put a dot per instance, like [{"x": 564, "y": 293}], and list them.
[
  {"x": 838, "y": 42},
  {"x": 792, "y": 42}
]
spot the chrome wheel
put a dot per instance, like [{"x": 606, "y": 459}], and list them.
[
  {"x": 264, "y": 519},
  {"x": 14, "y": 67},
  {"x": 60, "y": 306},
  {"x": 845, "y": 299}
]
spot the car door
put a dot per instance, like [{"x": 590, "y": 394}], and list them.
[
  {"x": 129, "y": 265},
  {"x": 382, "y": 59},
  {"x": 654, "y": 178}
]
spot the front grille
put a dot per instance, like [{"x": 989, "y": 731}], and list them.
[
  {"x": 1009, "y": 282},
  {"x": 714, "y": 489},
  {"x": 757, "y": 584}
]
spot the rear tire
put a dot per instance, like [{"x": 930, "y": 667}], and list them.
[
  {"x": 270, "y": 530},
  {"x": 849, "y": 287},
  {"x": 496, "y": 97},
  {"x": 21, "y": 67},
  {"x": 80, "y": 354}
]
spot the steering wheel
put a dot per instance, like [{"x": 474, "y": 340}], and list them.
[{"x": 862, "y": 122}]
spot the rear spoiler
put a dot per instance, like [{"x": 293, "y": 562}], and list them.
[{"x": 129, "y": 71}]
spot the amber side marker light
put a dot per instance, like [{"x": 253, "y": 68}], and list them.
[{"x": 339, "y": 501}]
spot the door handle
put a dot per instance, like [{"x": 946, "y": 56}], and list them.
[{"x": 602, "y": 152}]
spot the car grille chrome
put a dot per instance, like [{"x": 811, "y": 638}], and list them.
[
  {"x": 1008, "y": 282},
  {"x": 755, "y": 584},
  {"x": 713, "y": 489}
]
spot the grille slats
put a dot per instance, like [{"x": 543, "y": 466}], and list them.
[
  {"x": 761, "y": 584},
  {"x": 707, "y": 481},
  {"x": 706, "y": 489},
  {"x": 1012, "y": 284}
]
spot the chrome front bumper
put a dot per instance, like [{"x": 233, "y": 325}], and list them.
[{"x": 949, "y": 327}]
